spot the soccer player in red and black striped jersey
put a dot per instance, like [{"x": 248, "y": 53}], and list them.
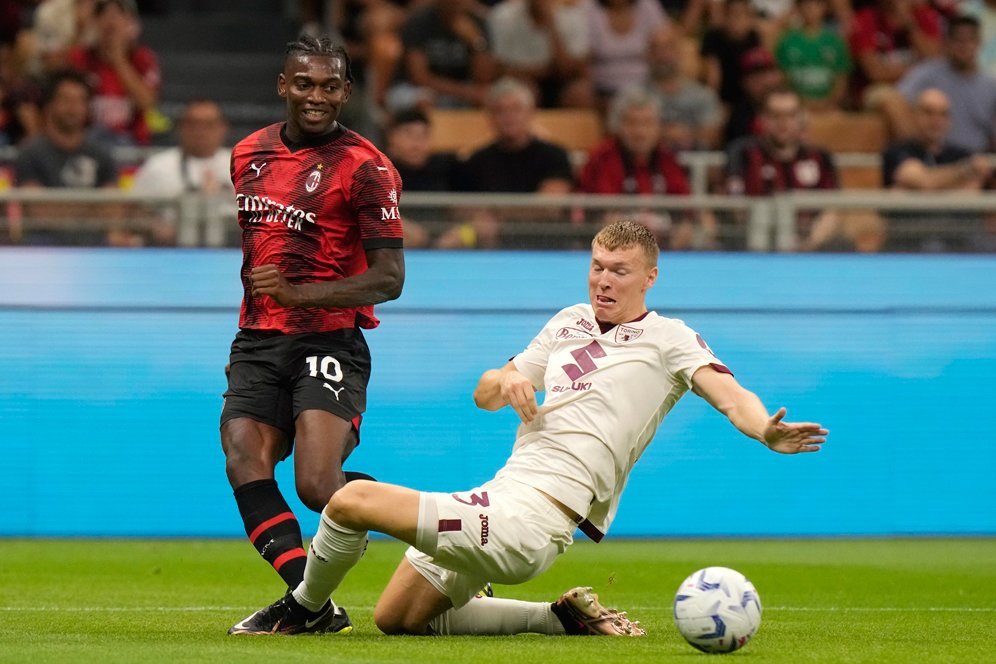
[{"x": 322, "y": 244}]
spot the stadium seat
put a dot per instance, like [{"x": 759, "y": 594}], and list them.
[
  {"x": 840, "y": 131},
  {"x": 860, "y": 177},
  {"x": 464, "y": 130}
]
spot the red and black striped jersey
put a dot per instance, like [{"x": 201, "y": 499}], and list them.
[
  {"x": 752, "y": 169},
  {"x": 312, "y": 209}
]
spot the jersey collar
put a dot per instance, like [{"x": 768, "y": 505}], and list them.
[
  {"x": 605, "y": 327},
  {"x": 310, "y": 141}
]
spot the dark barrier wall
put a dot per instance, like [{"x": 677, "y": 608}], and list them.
[{"x": 111, "y": 375}]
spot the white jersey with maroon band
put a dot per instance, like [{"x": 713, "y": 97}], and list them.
[{"x": 606, "y": 394}]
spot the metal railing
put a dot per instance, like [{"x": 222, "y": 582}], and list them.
[{"x": 34, "y": 216}]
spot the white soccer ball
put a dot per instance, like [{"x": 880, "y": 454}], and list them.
[{"x": 717, "y": 610}]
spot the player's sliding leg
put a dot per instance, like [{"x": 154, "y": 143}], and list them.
[
  {"x": 415, "y": 601},
  {"x": 252, "y": 449},
  {"x": 412, "y": 604}
]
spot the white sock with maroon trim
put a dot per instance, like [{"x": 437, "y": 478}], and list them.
[
  {"x": 333, "y": 552},
  {"x": 495, "y": 616}
]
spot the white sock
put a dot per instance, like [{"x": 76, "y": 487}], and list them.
[
  {"x": 333, "y": 552},
  {"x": 493, "y": 616}
]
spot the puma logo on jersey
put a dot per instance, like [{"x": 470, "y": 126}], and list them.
[
  {"x": 382, "y": 168},
  {"x": 334, "y": 391},
  {"x": 258, "y": 169}
]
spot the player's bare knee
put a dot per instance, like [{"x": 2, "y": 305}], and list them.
[
  {"x": 346, "y": 505},
  {"x": 245, "y": 465},
  {"x": 387, "y": 621},
  {"x": 393, "y": 623},
  {"x": 315, "y": 492}
]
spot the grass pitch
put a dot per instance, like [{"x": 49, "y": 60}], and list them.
[{"x": 824, "y": 601}]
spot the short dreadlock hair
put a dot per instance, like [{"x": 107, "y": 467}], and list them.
[{"x": 307, "y": 45}]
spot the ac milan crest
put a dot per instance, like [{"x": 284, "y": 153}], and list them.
[{"x": 313, "y": 179}]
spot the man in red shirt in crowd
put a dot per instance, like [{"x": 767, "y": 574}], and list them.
[
  {"x": 889, "y": 37},
  {"x": 778, "y": 160},
  {"x": 123, "y": 74},
  {"x": 322, "y": 244},
  {"x": 635, "y": 160}
]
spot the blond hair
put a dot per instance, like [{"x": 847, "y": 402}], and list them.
[{"x": 628, "y": 233}]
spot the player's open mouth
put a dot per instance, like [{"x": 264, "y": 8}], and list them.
[
  {"x": 313, "y": 114},
  {"x": 601, "y": 299}
]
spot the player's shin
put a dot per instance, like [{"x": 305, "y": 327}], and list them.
[
  {"x": 494, "y": 616},
  {"x": 334, "y": 551},
  {"x": 272, "y": 528}
]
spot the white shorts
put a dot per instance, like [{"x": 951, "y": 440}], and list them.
[{"x": 503, "y": 531}]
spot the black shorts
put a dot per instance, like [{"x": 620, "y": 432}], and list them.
[{"x": 273, "y": 377}]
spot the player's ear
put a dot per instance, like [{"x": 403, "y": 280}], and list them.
[
  {"x": 347, "y": 89},
  {"x": 282, "y": 85},
  {"x": 651, "y": 278}
]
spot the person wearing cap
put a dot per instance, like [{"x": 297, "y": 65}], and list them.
[
  {"x": 723, "y": 47},
  {"x": 123, "y": 74},
  {"x": 759, "y": 74}
]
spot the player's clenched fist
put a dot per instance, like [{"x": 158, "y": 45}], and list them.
[
  {"x": 519, "y": 393},
  {"x": 267, "y": 280}
]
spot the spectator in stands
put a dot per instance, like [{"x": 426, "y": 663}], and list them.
[
  {"x": 199, "y": 164},
  {"x": 20, "y": 115},
  {"x": 408, "y": 141},
  {"x": 779, "y": 160},
  {"x": 815, "y": 58},
  {"x": 635, "y": 160},
  {"x": 124, "y": 74},
  {"x": 759, "y": 76},
  {"x": 59, "y": 26},
  {"x": 985, "y": 11},
  {"x": 446, "y": 61},
  {"x": 723, "y": 49},
  {"x": 888, "y": 39},
  {"x": 619, "y": 31},
  {"x": 64, "y": 157},
  {"x": 515, "y": 162},
  {"x": 927, "y": 162},
  {"x": 691, "y": 115},
  {"x": 972, "y": 92},
  {"x": 544, "y": 42}
]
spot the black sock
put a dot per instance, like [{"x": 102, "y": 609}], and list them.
[
  {"x": 572, "y": 625},
  {"x": 353, "y": 475},
  {"x": 273, "y": 529}
]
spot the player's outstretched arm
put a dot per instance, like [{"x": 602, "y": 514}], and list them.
[
  {"x": 506, "y": 386},
  {"x": 382, "y": 281},
  {"x": 746, "y": 412}
]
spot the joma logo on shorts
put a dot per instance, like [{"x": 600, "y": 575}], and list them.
[{"x": 484, "y": 528}]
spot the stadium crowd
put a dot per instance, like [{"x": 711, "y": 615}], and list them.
[{"x": 779, "y": 86}]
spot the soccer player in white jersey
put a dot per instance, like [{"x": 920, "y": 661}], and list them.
[{"x": 611, "y": 371}]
